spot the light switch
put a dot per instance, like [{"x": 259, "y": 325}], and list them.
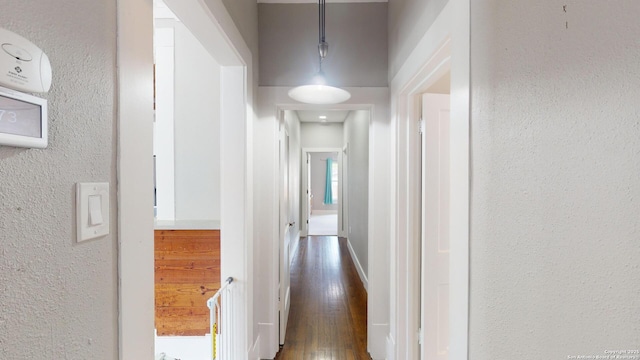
[
  {"x": 92, "y": 210},
  {"x": 95, "y": 210}
]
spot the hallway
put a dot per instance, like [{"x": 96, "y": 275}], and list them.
[{"x": 328, "y": 318}]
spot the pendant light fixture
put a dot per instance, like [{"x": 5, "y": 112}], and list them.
[{"x": 318, "y": 92}]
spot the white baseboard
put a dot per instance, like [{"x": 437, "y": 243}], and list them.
[
  {"x": 254, "y": 353},
  {"x": 391, "y": 348},
  {"x": 324, "y": 212},
  {"x": 363, "y": 276},
  {"x": 268, "y": 340},
  {"x": 376, "y": 341}
]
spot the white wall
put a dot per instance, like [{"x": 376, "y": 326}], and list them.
[
  {"x": 356, "y": 136},
  {"x": 163, "y": 125},
  {"x": 319, "y": 180},
  {"x": 196, "y": 129},
  {"x": 58, "y": 296},
  {"x": 317, "y": 135},
  {"x": 554, "y": 210}
]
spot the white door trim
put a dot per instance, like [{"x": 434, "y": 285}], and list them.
[
  {"x": 135, "y": 180},
  {"x": 446, "y": 45}
]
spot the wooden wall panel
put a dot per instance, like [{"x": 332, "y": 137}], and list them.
[{"x": 187, "y": 274}]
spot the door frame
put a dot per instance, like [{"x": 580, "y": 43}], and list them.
[
  {"x": 284, "y": 228},
  {"x": 444, "y": 47},
  {"x": 305, "y": 203},
  {"x": 213, "y": 26}
]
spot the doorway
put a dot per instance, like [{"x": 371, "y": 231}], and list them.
[
  {"x": 323, "y": 192},
  {"x": 187, "y": 187},
  {"x": 135, "y": 163},
  {"x": 330, "y": 188},
  {"x": 445, "y": 51}
]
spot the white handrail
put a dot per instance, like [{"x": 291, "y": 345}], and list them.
[{"x": 221, "y": 322}]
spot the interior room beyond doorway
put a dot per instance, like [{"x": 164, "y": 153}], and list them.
[{"x": 323, "y": 193}]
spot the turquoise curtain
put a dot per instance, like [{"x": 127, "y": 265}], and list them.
[{"x": 328, "y": 197}]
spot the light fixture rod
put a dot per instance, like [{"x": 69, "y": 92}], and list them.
[
  {"x": 319, "y": 92},
  {"x": 323, "y": 47},
  {"x": 322, "y": 21}
]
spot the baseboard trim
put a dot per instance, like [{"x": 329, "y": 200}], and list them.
[
  {"x": 254, "y": 353},
  {"x": 391, "y": 347},
  {"x": 376, "y": 340},
  {"x": 268, "y": 340},
  {"x": 363, "y": 276}
]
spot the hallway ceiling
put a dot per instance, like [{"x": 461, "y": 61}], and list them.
[{"x": 333, "y": 116}]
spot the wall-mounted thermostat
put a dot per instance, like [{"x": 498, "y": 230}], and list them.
[
  {"x": 23, "y": 120},
  {"x": 23, "y": 66}
]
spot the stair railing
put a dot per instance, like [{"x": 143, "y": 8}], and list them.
[{"x": 221, "y": 310}]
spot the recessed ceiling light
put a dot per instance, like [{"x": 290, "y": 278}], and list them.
[{"x": 322, "y": 117}]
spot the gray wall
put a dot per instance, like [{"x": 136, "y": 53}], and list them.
[
  {"x": 357, "y": 39},
  {"x": 245, "y": 15},
  {"x": 319, "y": 180},
  {"x": 555, "y": 160},
  {"x": 356, "y": 135},
  {"x": 409, "y": 20},
  {"x": 59, "y": 298}
]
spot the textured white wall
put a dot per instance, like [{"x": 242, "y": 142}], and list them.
[
  {"x": 555, "y": 267},
  {"x": 356, "y": 134},
  {"x": 197, "y": 129},
  {"x": 59, "y": 298}
]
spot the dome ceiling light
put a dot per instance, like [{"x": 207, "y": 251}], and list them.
[{"x": 318, "y": 92}]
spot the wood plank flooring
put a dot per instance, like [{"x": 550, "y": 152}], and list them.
[{"x": 328, "y": 316}]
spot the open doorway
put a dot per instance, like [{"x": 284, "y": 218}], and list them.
[
  {"x": 328, "y": 191},
  {"x": 186, "y": 187},
  {"x": 135, "y": 164},
  {"x": 323, "y": 194}
]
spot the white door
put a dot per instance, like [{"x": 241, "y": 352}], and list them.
[
  {"x": 285, "y": 237},
  {"x": 309, "y": 196},
  {"x": 435, "y": 227}
]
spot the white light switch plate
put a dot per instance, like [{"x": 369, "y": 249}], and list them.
[{"x": 92, "y": 217}]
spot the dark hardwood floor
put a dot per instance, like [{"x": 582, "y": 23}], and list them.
[{"x": 328, "y": 316}]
